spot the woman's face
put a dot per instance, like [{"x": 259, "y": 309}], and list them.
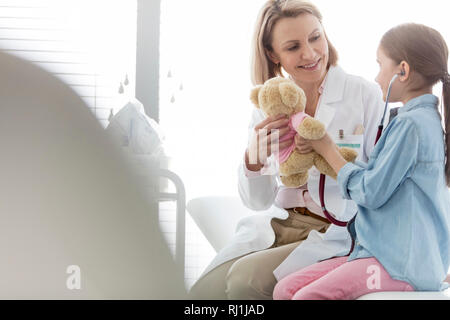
[
  {"x": 299, "y": 44},
  {"x": 388, "y": 69}
]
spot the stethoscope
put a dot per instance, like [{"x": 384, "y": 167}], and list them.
[{"x": 332, "y": 219}]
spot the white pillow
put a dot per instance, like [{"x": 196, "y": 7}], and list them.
[{"x": 135, "y": 131}]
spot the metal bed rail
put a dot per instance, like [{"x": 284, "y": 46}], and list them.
[
  {"x": 149, "y": 172},
  {"x": 180, "y": 197}
]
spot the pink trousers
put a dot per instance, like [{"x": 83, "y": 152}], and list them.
[{"x": 337, "y": 279}]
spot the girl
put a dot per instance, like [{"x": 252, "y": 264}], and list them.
[{"x": 401, "y": 231}]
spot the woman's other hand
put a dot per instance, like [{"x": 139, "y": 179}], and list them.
[
  {"x": 303, "y": 146},
  {"x": 254, "y": 158}
]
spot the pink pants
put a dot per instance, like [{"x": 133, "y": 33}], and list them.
[{"x": 337, "y": 279}]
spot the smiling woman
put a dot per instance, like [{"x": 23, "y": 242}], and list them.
[
  {"x": 304, "y": 52},
  {"x": 289, "y": 36},
  {"x": 317, "y": 52}
]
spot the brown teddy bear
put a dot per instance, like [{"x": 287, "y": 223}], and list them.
[{"x": 282, "y": 96}]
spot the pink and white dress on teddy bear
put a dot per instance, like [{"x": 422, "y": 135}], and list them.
[
  {"x": 294, "y": 122},
  {"x": 295, "y": 197}
]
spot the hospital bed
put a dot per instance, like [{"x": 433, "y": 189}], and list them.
[{"x": 217, "y": 216}]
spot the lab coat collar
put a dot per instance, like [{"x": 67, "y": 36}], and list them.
[
  {"x": 333, "y": 92},
  {"x": 334, "y": 85}
]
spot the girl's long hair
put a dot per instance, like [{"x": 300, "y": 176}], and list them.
[{"x": 425, "y": 50}]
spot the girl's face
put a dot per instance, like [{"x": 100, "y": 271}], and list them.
[
  {"x": 299, "y": 44},
  {"x": 388, "y": 69}
]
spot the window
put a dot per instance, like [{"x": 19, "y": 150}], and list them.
[{"x": 90, "y": 45}]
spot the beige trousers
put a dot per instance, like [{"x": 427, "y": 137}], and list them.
[{"x": 250, "y": 277}]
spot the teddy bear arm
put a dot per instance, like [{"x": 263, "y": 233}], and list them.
[
  {"x": 311, "y": 129},
  {"x": 325, "y": 168}
]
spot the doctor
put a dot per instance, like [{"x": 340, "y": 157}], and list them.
[{"x": 290, "y": 231}]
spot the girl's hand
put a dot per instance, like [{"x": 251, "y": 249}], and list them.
[
  {"x": 324, "y": 145},
  {"x": 303, "y": 146},
  {"x": 263, "y": 138},
  {"x": 330, "y": 152}
]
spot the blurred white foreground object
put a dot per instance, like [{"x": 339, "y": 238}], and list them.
[{"x": 70, "y": 212}]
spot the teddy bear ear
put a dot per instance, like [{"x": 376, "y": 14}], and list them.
[
  {"x": 254, "y": 95},
  {"x": 289, "y": 94}
]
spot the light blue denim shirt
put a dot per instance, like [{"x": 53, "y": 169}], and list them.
[{"x": 403, "y": 202}]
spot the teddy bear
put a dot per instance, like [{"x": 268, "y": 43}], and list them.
[{"x": 282, "y": 96}]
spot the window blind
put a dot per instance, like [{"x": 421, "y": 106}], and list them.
[{"x": 89, "y": 45}]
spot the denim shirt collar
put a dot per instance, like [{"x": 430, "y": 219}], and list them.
[{"x": 423, "y": 101}]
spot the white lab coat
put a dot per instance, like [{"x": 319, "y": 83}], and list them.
[{"x": 347, "y": 101}]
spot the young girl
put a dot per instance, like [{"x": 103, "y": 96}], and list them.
[{"x": 401, "y": 231}]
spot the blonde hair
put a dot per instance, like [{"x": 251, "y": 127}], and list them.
[
  {"x": 262, "y": 66},
  {"x": 425, "y": 50}
]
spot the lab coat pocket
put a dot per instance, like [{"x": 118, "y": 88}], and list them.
[{"x": 354, "y": 141}]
